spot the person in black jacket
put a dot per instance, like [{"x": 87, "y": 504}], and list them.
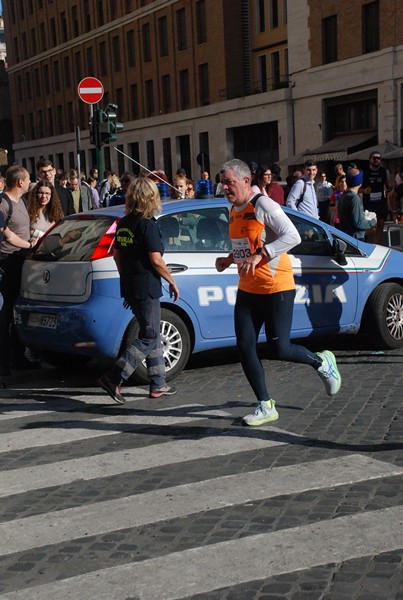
[{"x": 46, "y": 171}]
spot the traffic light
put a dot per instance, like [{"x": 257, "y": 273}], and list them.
[{"x": 108, "y": 126}]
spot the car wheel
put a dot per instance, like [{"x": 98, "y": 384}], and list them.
[
  {"x": 65, "y": 361},
  {"x": 384, "y": 316},
  {"x": 175, "y": 341}
]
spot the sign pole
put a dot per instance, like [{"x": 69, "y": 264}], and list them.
[
  {"x": 90, "y": 90},
  {"x": 78, "y": 150}
]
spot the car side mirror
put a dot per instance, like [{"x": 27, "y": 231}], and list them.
[{"x": 339, "y": 248}]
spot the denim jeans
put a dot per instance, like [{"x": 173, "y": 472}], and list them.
[
  {"x": 146, "y": 347},
  {"x": 274, "y": 311}
]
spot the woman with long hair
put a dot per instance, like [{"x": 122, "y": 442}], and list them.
[
  {"x": 138, "y": 256},
  {"x": 44, "y": 208}
]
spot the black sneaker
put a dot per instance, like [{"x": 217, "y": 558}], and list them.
[
  {"x": 165, "y": 390},
  {"x": 111, "y": 388}
]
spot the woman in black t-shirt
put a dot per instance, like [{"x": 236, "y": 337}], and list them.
[{"x": 138, "y": 256}]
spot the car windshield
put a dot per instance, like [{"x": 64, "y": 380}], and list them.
[{"x": 75, "y": 239}]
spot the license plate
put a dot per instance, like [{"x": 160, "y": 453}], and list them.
[{"x": 46, "y": 321}]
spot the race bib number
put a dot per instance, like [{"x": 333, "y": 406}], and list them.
[
  {"x": 241, "y": 249},
  {"x": 375, "y": 196}
]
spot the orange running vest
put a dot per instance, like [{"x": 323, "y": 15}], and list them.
[{"x": 245, "y": 233}]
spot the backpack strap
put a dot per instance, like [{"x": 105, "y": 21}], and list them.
[
  {"x": 256, "y": 198},
  {"x": 298, "y": 202},
  {"x": 3, "y": 196}
]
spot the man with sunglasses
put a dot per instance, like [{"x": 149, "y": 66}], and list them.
[
  {"x": 376, "y": 183},
  {"x": 47, "y": 172}
]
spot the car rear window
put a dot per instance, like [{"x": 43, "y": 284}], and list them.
[{"x": 75, "y": 238}]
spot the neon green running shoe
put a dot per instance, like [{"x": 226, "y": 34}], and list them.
[
  {"x": 265, "y": 413},
  {"x": 329, "y": 373}
]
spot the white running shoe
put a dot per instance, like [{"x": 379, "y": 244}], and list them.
[
  {"x": 329, "y": 373},
  {"x": 265, "y": 412}
]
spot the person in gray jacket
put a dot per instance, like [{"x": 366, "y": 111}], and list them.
[{"x": 83, "y": 199}]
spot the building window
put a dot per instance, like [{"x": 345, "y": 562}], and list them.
[
  {"x": 184, "y": 89},
  {"x": 63, "y": 26},
  {"x": 131, "y": 51},
  {"x": 74, "y": 21},
  {"x": 262, "y": 70},
  {"x": 146, "y": 42},
  {"x": 260, "y": 16},
  {"x": 134, "y": 102},
  {"x": 28, "y": 86},
  {"x": 181, "y": 29},
  {"x": 100, "y": 13},
  {"x": 121, "y": 159},
  {"x": 59, "y": 119},
  {"x": 37, "y": 83},
  {"x": 204, "y": 85},
  {"x": 52, "y": 26},
  {"x": 56, "y": 75},
  {"x": 50, "y": 130},
  {"x": 112, "y": 6},
  {"x": 351, "y": 114},
  {"x": 24, "y": 46},
  {"x": 163, "y": 36},
  {"x": 66, "y": 69},
  {"x": 46, "y": 78},
  {"x": 86, "y": 16},
  {"x": 102, "y": 58},
  {"x": 150, "y": 155},
  {"x": 205, "y": 150},
  {"x": 70, "y": 117},
  {"x": 285, "y": 15},
  {"x": 149, "y": 97},
  {"x": 42, "y": 36},
  {"x": 33, "y": 41},
  {"x": 167, "y": 156},
  {"x": 90, "y": 59},
  {"x": 273, "y": 14},
  {"x": 116, "y": 54},
  {"x": 370, "y": 27},
  {"x": 329, "y": 39},
  {"x": 275, "y": 69},
  {"x": 201, "y": 22},
  {"x": 120, "y": 103},
  {"x": 77, "y": 62},
  {"x": 166, "y": 93},
  {"x": 134, "y": 149}
]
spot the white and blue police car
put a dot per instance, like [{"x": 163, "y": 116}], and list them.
[{"x": 70, "y": 309}]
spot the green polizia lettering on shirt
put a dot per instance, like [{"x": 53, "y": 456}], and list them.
[{"x": 125, "y": 237}]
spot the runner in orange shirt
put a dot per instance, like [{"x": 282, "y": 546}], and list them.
[{"x": 261, "y": 234}]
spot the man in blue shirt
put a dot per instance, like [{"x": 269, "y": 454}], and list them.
[{"x": 302, "y": 195}]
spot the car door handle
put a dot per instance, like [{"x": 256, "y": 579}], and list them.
[{"x": 176, "y": 268}]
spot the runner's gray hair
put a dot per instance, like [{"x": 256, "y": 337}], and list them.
[{"x": 238, "y": 167}]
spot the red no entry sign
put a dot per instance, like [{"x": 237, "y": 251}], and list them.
[{"x": 90, "y": 90}]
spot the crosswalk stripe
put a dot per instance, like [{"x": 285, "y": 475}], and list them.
[
  {"x": 63, "y": 433},
  {"x": 130, "y": 460},
  {"x": 169, "y": 503},
  {"x": 207, "y": 568}
]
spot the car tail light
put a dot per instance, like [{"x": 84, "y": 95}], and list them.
[{"x": 104, "y": 248}]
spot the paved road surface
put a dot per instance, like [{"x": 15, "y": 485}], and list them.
[{"x": 174, "y": 498}]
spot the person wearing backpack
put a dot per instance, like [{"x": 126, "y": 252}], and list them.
[
  {"x": 17, "y": 221},
  {"x": 302, "y": 195}
]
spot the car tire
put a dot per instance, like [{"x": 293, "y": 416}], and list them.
[
  {"x": 65, "y": 361},
  {"x": 175, "y": 340},
  {"x": 383, "y": 323}
]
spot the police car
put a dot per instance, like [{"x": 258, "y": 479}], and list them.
[{"x": 70, "y": 308}]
